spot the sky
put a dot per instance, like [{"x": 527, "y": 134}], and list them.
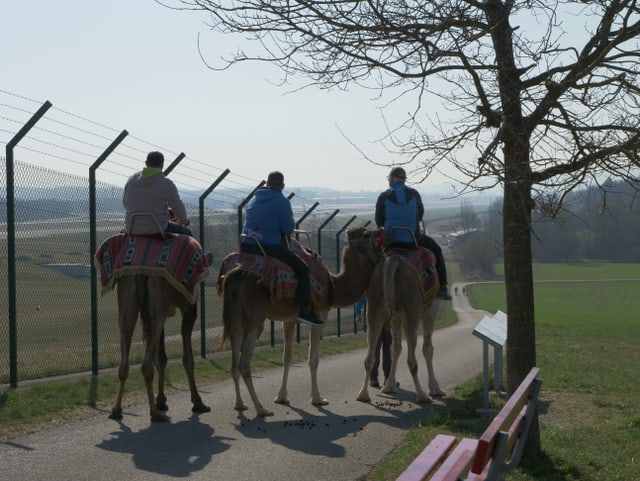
[{"x": 135, "y": 65}]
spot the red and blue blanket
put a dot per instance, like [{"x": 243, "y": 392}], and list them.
[
  {"x": 278, "y": 277},
  {"x": 178, "y": 258},
  {"x": 423, "y": 262}
]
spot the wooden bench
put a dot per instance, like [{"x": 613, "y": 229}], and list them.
[{"x": 498, "y": 450}]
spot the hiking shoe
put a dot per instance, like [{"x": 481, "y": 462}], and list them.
[
  {"x": 309, "y": 318},
  {"x": 444, "y": 294}
]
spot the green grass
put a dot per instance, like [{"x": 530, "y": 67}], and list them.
[{"x": 587, "y": 345}]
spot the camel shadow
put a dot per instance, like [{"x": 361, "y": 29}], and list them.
[
  {"x": 175, "y": 450},
  {"x": 320, "y": 434}
]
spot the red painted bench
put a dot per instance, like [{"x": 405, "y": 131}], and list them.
[{"x": 498, "y": 450}]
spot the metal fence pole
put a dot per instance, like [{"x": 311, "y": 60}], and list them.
[
  {"x": 203, "y": 326},
  {"x": 11, "y": 243},
  {"x": 174, "y": 164},
  {"x": 93, "y": 247},
  {"x": 322, "y": 226},
  {"x": 338, "y": 257}
]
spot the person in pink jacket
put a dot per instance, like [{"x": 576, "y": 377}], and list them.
[{"x": 150, "y": 192}]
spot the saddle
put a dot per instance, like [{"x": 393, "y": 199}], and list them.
[
  {"x": 276, "y": 276},
  {"x": 423, "y": 262},
  {"x": 178, "y": 258}
]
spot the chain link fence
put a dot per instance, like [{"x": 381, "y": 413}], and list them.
[{"x": 53, "y": 274}]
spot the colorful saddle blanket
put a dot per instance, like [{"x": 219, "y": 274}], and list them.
[
  {"x": 178, "y": 258},
  {"x": 278, "y": 277},
  {"x": 424, "y": 263}
]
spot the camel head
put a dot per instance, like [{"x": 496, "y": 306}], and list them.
[{"x": 362, "y": 248}]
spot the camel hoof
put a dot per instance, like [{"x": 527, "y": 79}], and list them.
[
  {"x": 438, "y": 393},
  {"x": 363, "y": 397},
  {"x": 424, "y": 399},
  {"x": 240, "y": 406},
  {"x": 116, "y": 414},
  {"x": 200, "y": 408},
  {"x": 263, "y": 413},
  {"x": 280, "y": 400},
  {"x": 159, "y": 418},
  {"x": 320, "y": 402}
]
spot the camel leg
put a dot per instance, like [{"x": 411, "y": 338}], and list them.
[
  {"x": 412, "y": 342},
  {"x": 153, "y": 318},
  {"x": 315, "y": 334},
  {"x": 235, "y": 338},
  {"x": 390, "y": 384},
  {"x": 288, "y": 330},
  {"x": 375, "y": 327},
  {"x": 248, "y": 347},
  {"x": 189, "y": 315},
  {"x": 161, "y": 365},
  {"x": 429, "y": 319},
  {"x": 127, "y": 317}
]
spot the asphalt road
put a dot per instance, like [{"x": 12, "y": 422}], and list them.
[{"x": 340, "y": 441}]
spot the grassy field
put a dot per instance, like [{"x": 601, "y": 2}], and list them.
[{"x": 588, "y": 336}]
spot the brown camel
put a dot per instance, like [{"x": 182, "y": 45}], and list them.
[
  {"x": 153, "y": 297},
  {"x": 154, "y": 277},
  {"x": 396, "y": 299},
  {"x": 247, "y": 303}
]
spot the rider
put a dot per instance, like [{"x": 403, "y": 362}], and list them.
[
  {"x": 269, "y": 220},
  {"x": 401, "y": 205},
  {"x": 149, "y": 191}
]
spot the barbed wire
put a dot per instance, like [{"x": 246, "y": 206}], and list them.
[{"x": 75, "y": 136}]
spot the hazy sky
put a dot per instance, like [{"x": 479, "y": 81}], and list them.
[{"x": 135, "y": 65}]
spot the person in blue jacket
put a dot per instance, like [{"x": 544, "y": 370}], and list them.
[
  {"x": 269, "y": 221},
  {"x": 401, "y": 205}
]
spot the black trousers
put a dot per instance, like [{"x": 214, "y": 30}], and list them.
[
  {"x": 428, "y": 242},
  {"x": 384, "y": 342},
  {"x": 300, "y": 268}
]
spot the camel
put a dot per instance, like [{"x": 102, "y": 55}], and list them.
[
  {"x": 396, "y": 298},
  {"x": 153, "y": 298},
  {"x": 154, "y": 277},
  {"x": 247, "y": 303}
]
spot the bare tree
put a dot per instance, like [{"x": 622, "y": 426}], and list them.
[
  {"x": 544, "y": 92},
  {"x": 468, "y": 217}
]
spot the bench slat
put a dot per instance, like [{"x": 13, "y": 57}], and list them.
[
  {"x": 457, "y": 463},
  {"x": 428, "y": 459},
  {"x": 507, "y": 414}
]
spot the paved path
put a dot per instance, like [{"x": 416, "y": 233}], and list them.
[{"x": 341, "y": 441}]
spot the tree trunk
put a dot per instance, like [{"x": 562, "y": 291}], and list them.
[{"x": 521, "y": 339}]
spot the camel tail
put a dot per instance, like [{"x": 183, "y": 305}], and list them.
[
  {"x": 142, "y": 291},
  {"x": 229, "y": 298},
  {"x": 391, "y": 265}
]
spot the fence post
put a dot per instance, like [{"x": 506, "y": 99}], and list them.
[
  {"x": 174, "y": 164},
  {"x": 11, "y": 243},
  {"x": 93, "y": 247},
  {"x": 322, "y": 226},
  {"x": 203, "y": 327},
  {"x": 338, "y": 258}
]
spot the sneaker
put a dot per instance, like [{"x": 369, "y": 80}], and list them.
[
  {"x": 309, "y": 317},
  {"x": 444, "y": 294},
  {"x": 374, "y": 383}
]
